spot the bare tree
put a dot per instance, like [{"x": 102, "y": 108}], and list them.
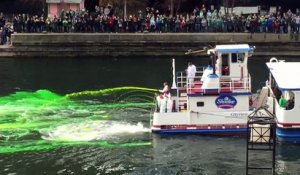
[
  {"x": 232, "y": 5},
  {"x": 174, "y": 5},
  {"x": 132, "y": 6},
  {"x": 228, "y": 4},
  {"x": 103, "y": 2}
]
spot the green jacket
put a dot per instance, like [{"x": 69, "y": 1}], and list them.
[{"x": 282, "y": 102}]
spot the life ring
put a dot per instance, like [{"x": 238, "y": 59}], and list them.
[{"x": 273, "y": 59}]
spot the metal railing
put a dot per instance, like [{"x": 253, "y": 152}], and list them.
[
  {"x": 228, "y": 84},
  {"x": 182, "y": 77}
]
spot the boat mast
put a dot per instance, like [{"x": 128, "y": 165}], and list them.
[{"x": 173, "y": 67}]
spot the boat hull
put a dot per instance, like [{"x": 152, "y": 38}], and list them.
[
  {"x": 202, "y": 123},
  {"x": 225, "y": 132},
  {"x": 288, "y": 135}
]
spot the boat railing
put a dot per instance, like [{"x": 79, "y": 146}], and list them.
[
  {"x": 228, "y": 85},
  {"x": 182, "y": 77},
  {"x": 236, "y": 84}
]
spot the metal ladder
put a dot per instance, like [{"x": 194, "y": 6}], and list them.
[
  {"x": 261, "y": 142},
  {"x": 182, "y": 100}
]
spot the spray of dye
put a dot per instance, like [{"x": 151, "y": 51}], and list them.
[{"x": 43, "y": 120}]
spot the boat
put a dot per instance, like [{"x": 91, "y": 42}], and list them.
[
  {"x": 220, "y": 100},
  {"x": 281, "y": 94},
  {"x": 217, "y": 102}
]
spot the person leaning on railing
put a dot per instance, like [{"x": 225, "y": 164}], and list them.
[{"x": 166, "y": 90}]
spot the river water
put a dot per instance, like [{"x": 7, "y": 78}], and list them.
[{"x": 91, "y": 116}]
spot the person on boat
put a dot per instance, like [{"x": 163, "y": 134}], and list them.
[
  {"x": 290, "y": 104},
  {"x": 166, "y": 90},
  {"x": 191, "y": 73},
  {"x": 164, "y": 101},
  {"x": 282, "y": 102}
]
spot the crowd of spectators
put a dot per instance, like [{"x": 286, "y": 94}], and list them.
[
  {"x": 5, "y": 30},
  {"x": 151, "y": 20}
]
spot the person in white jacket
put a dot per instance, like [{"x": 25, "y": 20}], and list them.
[
  {"x": 191, "y": 73},
  {"x": 164, "y": 101}
]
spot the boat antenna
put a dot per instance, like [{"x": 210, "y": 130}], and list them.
[{"x": 173, "y": 67}]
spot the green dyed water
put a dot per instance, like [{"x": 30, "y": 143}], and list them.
[
  {"x": 107, "y": 131},
  {"x": 43, "y": 120}
]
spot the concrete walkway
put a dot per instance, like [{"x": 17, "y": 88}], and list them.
[{"x": 6, "y": 46}]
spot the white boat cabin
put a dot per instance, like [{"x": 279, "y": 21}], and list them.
[
  {"x": 282, "y": 92},
  {"x": 226, "y": 77}
]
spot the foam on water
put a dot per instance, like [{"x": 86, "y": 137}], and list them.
[{"x": 92, "y": 130}]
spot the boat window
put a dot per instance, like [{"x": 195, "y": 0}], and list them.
[
  {"x": 240, "y": 57},
  {"x": 200, "y": 104},
  {"x": 275, "y": 89},
  {"x": 225, "y": 59},
  {"x": 287, "y": 100},
  {"x": 290, "y": 96},
  {"x": 234, "y": 57},
  {"x": 225, "y": 64}
]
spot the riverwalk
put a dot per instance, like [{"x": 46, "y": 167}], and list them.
[{"x": 142, "y": 44}]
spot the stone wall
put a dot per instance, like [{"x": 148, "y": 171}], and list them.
[{"x": 144, "y": 44}]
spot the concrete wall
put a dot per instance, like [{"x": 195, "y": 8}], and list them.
[{"x": 145, "y": 44}]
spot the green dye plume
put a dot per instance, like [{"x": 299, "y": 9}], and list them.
[
  {"x": 107, "y": 92},
  {"x": 26, "y": 115}
]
